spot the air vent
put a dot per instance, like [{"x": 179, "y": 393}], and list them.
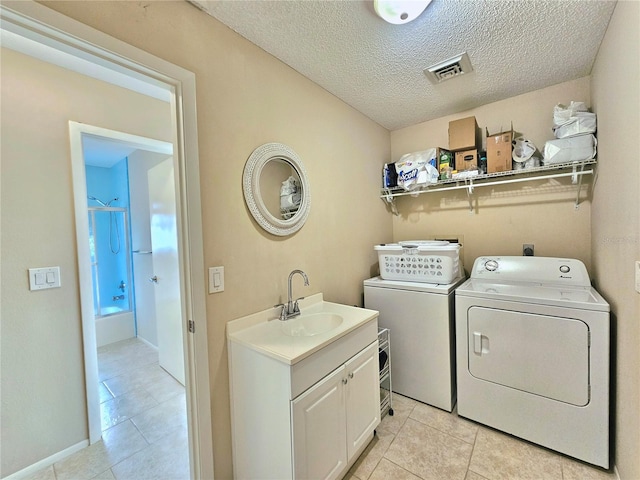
[{"x": 451, "y": 68}]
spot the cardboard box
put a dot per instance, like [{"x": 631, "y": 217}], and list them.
[
  {"x": 467, "y": 160},
  {"x": 499, "y": 148},
  {"x": 464, "y": 134}
]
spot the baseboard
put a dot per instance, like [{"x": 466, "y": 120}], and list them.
[
  {"x": 46, "y": 462},
  {"x": 615, "y": 470},
  {"x": 142, "y": 339}
]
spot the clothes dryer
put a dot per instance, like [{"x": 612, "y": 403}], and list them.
[{"x": 532, "y": 340}]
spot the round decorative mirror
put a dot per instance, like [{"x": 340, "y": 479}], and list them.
[{"x": 276, "y": 189}]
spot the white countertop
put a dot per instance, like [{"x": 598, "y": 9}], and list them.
[{"x": 262, "y": 331}]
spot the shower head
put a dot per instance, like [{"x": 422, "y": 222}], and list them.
[
  {"x": 108, "y": 204},
  {"x": 97, "y": 200}
]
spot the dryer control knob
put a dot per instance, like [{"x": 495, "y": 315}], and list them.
[
  {"x": 491, "y": 265},
  {"x": 565, "y": 268}
]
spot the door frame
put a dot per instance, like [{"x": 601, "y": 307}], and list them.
[
  {"x": 77, "y": 131},
  {"x": 107, "y": 58}
]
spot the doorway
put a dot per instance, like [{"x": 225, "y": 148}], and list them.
[
  {"x": 137, "y": 173},
  {"x": 35, "y": 30}
]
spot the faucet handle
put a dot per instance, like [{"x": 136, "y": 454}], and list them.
[
  {"x": 296, "y": 308},
  {"x": 283, "y": 313}
]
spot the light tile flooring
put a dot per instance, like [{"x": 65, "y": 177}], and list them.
[
  {"x": 423, "y": 442},
  {"x": 144, "y": 422},
  {"x": 145, "y": 436}
]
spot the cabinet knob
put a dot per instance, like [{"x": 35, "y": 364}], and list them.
[
  {"x": 344, "y": 381},
  {"x": 351, "y": 375}
]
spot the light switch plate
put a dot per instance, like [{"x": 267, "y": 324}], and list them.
[
  {"x": 43, "y": 278},
  {"x": 637, "y": 276},
  {"x": 216, "y": 279}
]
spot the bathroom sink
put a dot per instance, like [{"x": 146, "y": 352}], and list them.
[{"x": 311, "y": 324}]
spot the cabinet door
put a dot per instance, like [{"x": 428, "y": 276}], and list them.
[
  {"x": 319, "y": 429},
  {"x": 362, "y": 397}
]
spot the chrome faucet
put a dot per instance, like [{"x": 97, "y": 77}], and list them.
[{"x": 291, "y": 308}]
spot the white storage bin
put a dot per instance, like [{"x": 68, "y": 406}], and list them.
[{"x": 419, "y": 261}]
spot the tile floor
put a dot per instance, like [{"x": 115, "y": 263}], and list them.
[
  {"x": 145, "y": 436},
  {"x": 423, "y": 442},
  {"x": 144, "y": 422}
]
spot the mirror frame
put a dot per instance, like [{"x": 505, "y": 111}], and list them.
[{"x": 260, "y": 157}]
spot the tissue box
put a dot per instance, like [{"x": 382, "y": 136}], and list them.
[{"x": 571, "y": 149}]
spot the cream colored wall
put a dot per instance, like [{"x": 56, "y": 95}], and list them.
[
  {"x": 42, "y": 381},
  {"x": 246, "y": 98},
  {"x": 505, "y": 217},
  {"x": 616, "y": 218}
]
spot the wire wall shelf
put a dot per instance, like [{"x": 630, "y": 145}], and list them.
[{"x": 576, "y": 172}]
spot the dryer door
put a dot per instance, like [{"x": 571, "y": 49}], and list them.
[{"x": 538, "y": 354}]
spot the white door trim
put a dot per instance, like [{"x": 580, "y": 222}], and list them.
[{"x": 31, "y": 24}]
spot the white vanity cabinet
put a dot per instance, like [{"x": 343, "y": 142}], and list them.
[
  {"x": 335, "y": 418},
  {"x": 302, "y": 407}
]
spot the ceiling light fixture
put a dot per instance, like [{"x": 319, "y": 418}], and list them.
[{"x": 400, "y": 11}]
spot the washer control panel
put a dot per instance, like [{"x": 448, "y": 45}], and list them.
[{"x": 542, "y": 270}]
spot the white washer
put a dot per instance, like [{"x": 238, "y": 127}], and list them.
[
  {"x": 532, "y": 340},
  {"x": 421, "y": 322}
]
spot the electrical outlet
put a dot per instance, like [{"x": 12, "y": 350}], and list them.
[{"x": 527, "y": 249}]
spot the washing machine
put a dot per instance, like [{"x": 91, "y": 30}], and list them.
[
  {"x": 532, "y": 341},
  {"x": 421, "y": 322}
]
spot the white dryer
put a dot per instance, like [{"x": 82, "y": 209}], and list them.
[{"x": 532, "y": 341}]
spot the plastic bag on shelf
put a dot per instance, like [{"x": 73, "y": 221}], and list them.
[
  {"x": 568, "y": 150},
  {"x": 417, "y": 169},
  {"x": 572, "y": 120}
]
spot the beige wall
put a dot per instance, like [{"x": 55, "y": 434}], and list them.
[
  {"x": 43, "y": 395},
  {"x": 245, "y": 98},
  {"x": 505, "y": 217},
  {"x": 616, "y": 218}
]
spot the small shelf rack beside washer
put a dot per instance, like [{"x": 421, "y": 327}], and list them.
[{"x": 384, "y": 350}]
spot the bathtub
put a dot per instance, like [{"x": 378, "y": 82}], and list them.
[{"x": 114, "y": 325}]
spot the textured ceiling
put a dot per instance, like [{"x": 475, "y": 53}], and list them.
[{"x": 515, "y": 46}]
